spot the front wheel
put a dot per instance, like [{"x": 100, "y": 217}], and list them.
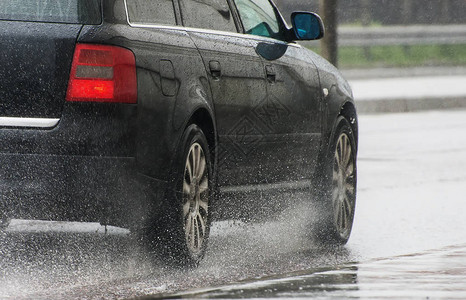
[{"x": 338, "y": 186}]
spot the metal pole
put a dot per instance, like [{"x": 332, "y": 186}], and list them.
[{"x": 329, "y": 44}]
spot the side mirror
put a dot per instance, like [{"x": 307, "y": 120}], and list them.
[{"x": 307, "y": 26}]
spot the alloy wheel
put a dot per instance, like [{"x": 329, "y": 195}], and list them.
[
  {"x": 344, "y": 185},
  {"x": 195, "y": 198}
]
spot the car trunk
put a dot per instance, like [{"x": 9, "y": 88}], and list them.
[{"x": 37, "y": 44}]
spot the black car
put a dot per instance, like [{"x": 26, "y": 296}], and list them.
[{"x": 158, "y": 115}]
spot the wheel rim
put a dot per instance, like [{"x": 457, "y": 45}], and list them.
[
  {"x": 344, "y": 185},
  {"x": 195, "y": 198}
]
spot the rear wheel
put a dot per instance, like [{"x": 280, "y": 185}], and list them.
[
  {"x": 184, "y": 231},
  {"x": 195, "y": 199},
  {"x": 338, "y": 186}
]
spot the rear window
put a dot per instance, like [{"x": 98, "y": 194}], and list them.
[
  {"x": 151, "y": 12},
  {"x": 59, "y": 11},
  {"x": 208, "y": 14}
]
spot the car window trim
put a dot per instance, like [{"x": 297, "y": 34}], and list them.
[
  {"x": 237, "y": 34},
  {"x": 217, "y": 32},
  {"x": 234, "y": 11}
]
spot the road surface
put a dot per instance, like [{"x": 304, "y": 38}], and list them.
[{"x": 408, "y": 238}]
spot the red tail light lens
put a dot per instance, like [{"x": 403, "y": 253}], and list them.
[{"x": 102, "y": 73}]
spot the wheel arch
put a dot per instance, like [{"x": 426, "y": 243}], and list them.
[
  {"x": 345, "y": 109},
  {"x": 348, "y": 111},
  {"x": 203, "y": 118}
]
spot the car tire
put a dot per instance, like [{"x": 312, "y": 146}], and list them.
[
  {"x": 184, "y": 231},
  {"x": 336, "y": 193}
]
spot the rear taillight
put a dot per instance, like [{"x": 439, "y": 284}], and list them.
[{"x": 101, "y": 73}]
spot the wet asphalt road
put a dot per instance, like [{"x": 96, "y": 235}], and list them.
[
  {"x": 432, "y": 274},
  {"x": 408, "y": 239}
]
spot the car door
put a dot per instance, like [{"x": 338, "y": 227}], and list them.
[
  {"x": 238, "y": 84},
  {"x": 292, "y": 111}
]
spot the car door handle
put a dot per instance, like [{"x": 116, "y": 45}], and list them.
[
  {"x": 271, "y": 75},
  {"x": 215, "y": 69}
]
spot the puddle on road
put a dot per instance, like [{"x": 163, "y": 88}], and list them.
[{"x": 427, "y": 275}]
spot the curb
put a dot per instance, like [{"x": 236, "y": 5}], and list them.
[
  {"x": 409, "y": 93},
  {"x": 408, "y": 105}
]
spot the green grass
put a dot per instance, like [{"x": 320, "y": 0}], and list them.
[{"x": 401, "y": 56}]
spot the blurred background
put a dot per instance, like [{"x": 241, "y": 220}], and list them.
[{"x": 389, "y": 33}]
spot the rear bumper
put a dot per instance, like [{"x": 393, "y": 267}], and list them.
[
  {"x": 83, "y": 169},
  {"x": 108, "y": 190},
  {"x": 87, "y": 129}
]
